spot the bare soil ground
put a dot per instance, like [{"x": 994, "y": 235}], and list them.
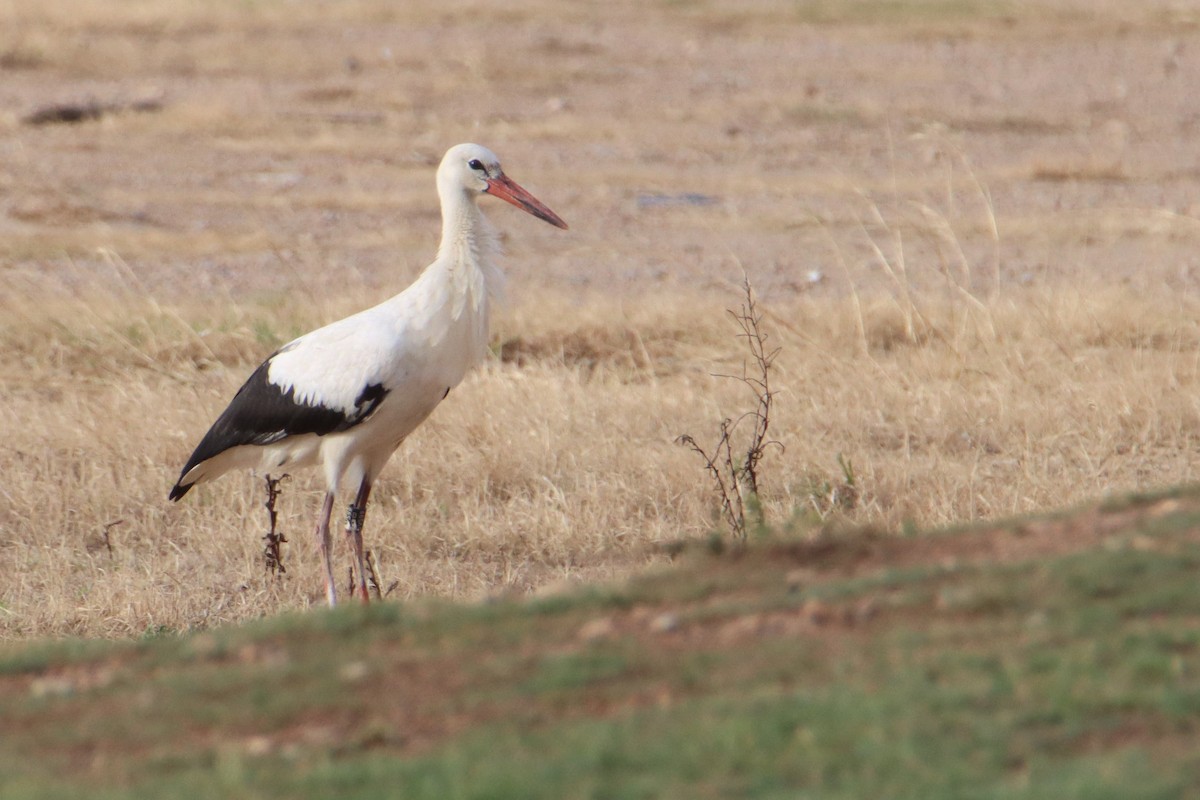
[{"x": 974, "y": 227}]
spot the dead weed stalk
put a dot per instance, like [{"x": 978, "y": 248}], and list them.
[
  {"x": 272, "y": 552},
  {"x": 735, "y": 471}
]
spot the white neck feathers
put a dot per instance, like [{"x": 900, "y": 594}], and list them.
[
  {"x": 450, "y": 303},
  {"x": 469, "y": 247}
]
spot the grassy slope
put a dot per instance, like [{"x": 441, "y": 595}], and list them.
[{"x": 1050, "y": 657}]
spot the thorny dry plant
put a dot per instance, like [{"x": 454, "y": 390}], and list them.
[
  {"x": 272, "y": 552},
  {"x": 735, "y": 472}
]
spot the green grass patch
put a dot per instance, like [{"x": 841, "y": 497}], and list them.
[{"x": 1072, "y": 676}]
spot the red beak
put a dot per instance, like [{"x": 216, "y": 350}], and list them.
[{"x": 506, "y": 188}]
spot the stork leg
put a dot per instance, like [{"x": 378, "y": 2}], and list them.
[
  {"x": 323, "y": 542},
  {"x": 355, "y": 517}
]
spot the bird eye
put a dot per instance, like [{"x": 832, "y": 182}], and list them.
[{"x": 475, "y": 164}]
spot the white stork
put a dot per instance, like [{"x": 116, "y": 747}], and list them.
[{"x": 346, "y": 395}]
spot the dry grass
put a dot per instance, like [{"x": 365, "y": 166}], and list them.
[
  {"x": 564, "y": 467},
  {"x": 974, "y": 311}
]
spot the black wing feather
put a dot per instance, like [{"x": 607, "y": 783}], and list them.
[{"x": 262, "y": 413}]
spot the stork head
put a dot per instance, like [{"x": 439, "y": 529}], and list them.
[{"x": 477, "y": 171}]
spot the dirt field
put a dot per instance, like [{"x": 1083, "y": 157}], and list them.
[{"x": 973, "y": 225}]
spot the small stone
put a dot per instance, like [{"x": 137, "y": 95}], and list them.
[
  {"x": 257, "y": 746},
  {"x": 354, "y": 671},
  {"x": 665, "y": 622},
  {"x": 597, "y": 629},
  {"x": 52, "y": 686},
  {"x": 816, "y": 612}
]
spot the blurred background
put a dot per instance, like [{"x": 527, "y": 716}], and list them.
[{"x": 281, "y": 146}]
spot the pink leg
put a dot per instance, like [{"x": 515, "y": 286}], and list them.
[
  {"x": 324, "y": 544},
  {"x": 355, "y": 517}
]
